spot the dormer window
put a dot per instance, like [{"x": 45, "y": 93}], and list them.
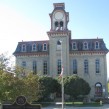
[
  {"x": 96, "y": 45},
  {"x": 44, "y": 47},
  {"x": 85, "y": 45},
  {"x": 74, "y": 46},
  {"x": 23, "y": 48},
  {"x": 33, "y": 47}
]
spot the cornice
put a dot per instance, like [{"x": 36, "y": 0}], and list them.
[
  {"x": 31, "y": 54},
  {"x": 58, "y": 33},
  {"x": 87, "y": 52}
]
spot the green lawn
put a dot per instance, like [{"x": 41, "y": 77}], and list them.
[
  {"x": 76, "y": 104},
  {"x": 81, "y": 104}
]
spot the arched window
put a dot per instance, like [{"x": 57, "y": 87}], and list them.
[
  {"x": 45, "y": 68},
  {"x": 59, "y": 42},
  {"x": 59, "y": 45},
  {"x": 85, "y": 66},
  {"x": 96, "y": 45},
  {"x": 85, "y": 45},
  {"x": 23, "y": 47},
  {"x": 97, "y": 66},
  {"x": 98, "y": 89},
  {"x": 34, "y": 67},
  {"x": 58, "y": 66},
  {"x": 74, "y": 46},
  {"x": 33, "y": 47},
  {"x": 44, "y": 47},
  {"x": 56, "y": 25},
  {"x": 74, "y": 66},
  {"x": 61, "y": 23}
]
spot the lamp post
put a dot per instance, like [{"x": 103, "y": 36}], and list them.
[{"x": 62, "y": 78}]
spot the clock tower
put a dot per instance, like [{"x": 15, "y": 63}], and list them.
[
  {"x": 59, "y": 18},
  {"x": 59, "y": 32}
]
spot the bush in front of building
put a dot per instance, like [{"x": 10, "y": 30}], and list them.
[
  {"x": 48, "y": 87},
  {"x": 75, "y": 86}
]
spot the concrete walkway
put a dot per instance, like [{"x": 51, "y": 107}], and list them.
[{"x": 105, "y": 106}]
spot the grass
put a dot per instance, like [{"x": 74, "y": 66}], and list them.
[
  {"x": 81, "y": 104},
  {"x": 74, "y": 104}
]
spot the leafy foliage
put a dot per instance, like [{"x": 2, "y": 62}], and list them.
[
  {"x": 32, "y": 87},
  {"x": 48, "y": 85},
  {"x": 35, "y": 87},
  {"x": 11, "y": 87},
  {"x": 4, "y": 62},
  {"x": 75, "y": 86}
]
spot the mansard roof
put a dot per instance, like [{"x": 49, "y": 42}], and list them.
[
  {"x": 91, "y": 44},
  {"x": 28, "y": 44},
  {"x": 79, "y": 44}
]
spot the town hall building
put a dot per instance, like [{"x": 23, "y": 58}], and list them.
[{"x": 83, "y": 57}]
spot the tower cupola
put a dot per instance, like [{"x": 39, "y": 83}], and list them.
[{"x": 59, "y": 17}]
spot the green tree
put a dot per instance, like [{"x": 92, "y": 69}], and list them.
[
  {"x": 32, "y": 87},
  {"x": 48, "y": 85},
  {"x": 4, "y": 61},
  {"x": 10, "y": 87},
  {"x": 75, "y": 86}
]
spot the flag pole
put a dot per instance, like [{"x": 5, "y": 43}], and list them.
[{"x": 62, "y": 78}]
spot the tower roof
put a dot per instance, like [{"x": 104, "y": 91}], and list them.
[{"x": 59, "y": 5}]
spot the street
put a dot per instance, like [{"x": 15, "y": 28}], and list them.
[{"x": 105, "y": 106}]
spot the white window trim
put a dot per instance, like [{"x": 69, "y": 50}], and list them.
[
  {"x": 98, "y": 45},
  {"x": 33, "y": 47},
  {"x": 44, "y": 47},
  {"x": 97, "y": 66},
  {"x": 84, "y": 46},
  {"x": 75, "y": 64},
  {"x": 73, "y": 46},
  {"x": 23, "y": 50}
]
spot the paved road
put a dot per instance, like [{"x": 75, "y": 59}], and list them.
[{"x": 106, "y": 106}]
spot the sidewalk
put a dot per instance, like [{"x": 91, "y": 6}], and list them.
[{"x": 105, "y": 106}]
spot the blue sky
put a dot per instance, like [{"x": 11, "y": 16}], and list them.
[{"x": 29, "y": 20}]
